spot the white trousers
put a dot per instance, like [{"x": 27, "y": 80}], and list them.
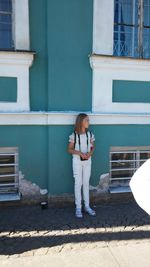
[{"x": 81, "y": 174}]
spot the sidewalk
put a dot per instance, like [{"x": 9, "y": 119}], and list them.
[
  {"x": 118, "y": 236},
  {"x": 134, "y": 255}
]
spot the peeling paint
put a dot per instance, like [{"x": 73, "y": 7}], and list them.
[
  {"x": 103, "y": 184},
  {"x": 29, "y": 189}
]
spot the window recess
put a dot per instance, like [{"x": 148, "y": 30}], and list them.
[
  {"x": 123, "y": 163},
  {"x": 9, "y": 174}
]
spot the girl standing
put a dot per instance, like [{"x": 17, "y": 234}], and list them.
[{"x": 81, "y": 146}]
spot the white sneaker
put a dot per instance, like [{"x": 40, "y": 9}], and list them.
[
  {"x": 90, "y": 211},
  {"x": 79, "y": 213}
]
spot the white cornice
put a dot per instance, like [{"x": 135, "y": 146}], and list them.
[
  {"x": 16, "y": 58},
  {"x": 64, "y": 118},
  {"x": 122, "y": 63}
]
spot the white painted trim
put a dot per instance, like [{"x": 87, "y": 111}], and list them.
[
  {"x": 16, "y": 58},
  {"x": 21, "y": 24},
  {"x": 64, "y": 118},
  {"x": 105, "y": 70},
  {"x": 16, "y": 64},
  {"x": 103, "y": 26}
]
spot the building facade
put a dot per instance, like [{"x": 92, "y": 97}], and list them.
[{"x": 59, "y": 58}]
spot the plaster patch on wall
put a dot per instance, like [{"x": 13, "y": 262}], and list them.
[
  {"x": 30, "y": 190},
  {"x": 103, "y": 185}
]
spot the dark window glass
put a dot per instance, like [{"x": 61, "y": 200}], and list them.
[
  {"x": 7, "y": 159},
  {"x": 132, "y": 28},
  {"x": 6, "y": 24}
]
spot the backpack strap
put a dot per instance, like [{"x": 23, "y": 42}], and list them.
[{"x": 75, "y": 139}]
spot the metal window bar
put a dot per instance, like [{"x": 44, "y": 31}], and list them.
[
  {"x": 8, "y": 175},
  {"x": 122, "y": 178},
  {"x": 7, "y": 154},
  {"x": 129, "y": 151},
  {"x": 130, "y": 160},
  {"x": 8, "y": 184},
  {"x": 17, "y": 170},
  {"x": 123, "y": 169},
  {"x": 5, "y": 12},
  {"x": 11, "y": 164},
  {"x": 140, "y": 27},
  {"x": 136, "y": 164}
]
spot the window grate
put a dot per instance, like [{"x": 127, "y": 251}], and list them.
[
  {"x": 123, "y": 163},
  {"x": 9, "y": 170}
]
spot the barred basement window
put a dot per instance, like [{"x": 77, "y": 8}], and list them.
[
  {"x": 132, "y": 28},
  {"x": 6, "y": 40},
  {"x": 9, "y": 171},
  {"x": 124, "y": 161}
]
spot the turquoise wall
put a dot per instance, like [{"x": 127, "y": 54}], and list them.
[
  {"x": 32, "y": 144},
  {"x": 61, "y": 35},
  {"x": 60, "y": 173},
  {"x": 43, "y": 151},
  {"x": 69, "y": 44},
  {"x": 38, "y": 43},
  {"x": 8, "y": 89},
  {"x": 131, "y": 91}
]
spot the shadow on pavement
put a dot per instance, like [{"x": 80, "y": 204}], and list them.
[{"x": 28, "y": 228}]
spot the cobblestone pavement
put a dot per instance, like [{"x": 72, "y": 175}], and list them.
[{"x": 28, "y": 230}]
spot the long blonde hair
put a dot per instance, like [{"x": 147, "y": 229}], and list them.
[{"x": 79, "y": 121}]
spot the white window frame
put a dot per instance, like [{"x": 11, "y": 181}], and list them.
[
  {"x": 20, "y": 23},
  {"x": 103, "y": 27},
  {"x": 14, "y": 64}
]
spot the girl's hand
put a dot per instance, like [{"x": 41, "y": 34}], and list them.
[
  {"x": 88, "y": 155},
  {"x": 83, "y": 156}
]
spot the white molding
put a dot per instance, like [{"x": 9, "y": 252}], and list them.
[
  {"x": 105, "y": 70},
  {"x": 64, "y": 118},
  {"x": 21, "y": 24},
  {"x": 16, "y": 64},
  {"x": 109, "y": 62},
  {"x": 16, "y": 58},
  {"x": 103, "y": 26}
]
